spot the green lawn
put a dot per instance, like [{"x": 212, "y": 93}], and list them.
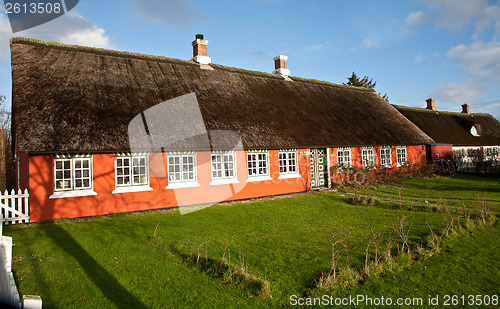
[{"x": 114, "y": 262}]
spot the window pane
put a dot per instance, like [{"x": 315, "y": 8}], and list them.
[{"x": 59, "y": 184}]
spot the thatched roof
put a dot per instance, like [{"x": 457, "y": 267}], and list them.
[
  {"x": 73, "y": 98},
  {"x": 455, "y": 128}
]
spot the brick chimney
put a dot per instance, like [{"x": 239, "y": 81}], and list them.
[
  {"x": 200, "y": 50},
  {"x": 465, "y": 108},
  {"x": 280, "y": 65},
  {"x": 430, "y": 104}
]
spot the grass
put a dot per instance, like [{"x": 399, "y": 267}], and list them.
[
  {"x": 468, "y": 267},
  {"x": 452, "y": 192},
  {"x": 144, "y": 260}
]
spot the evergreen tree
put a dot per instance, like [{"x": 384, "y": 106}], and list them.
[{"x": 364, "y": 82}]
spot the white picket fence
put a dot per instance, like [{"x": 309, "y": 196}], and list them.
[{"x": 15, "y": 207}]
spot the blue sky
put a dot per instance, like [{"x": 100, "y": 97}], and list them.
[{"x": 415, "y": 49}]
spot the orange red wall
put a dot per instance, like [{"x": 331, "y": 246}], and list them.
[
  {"x": 414, "y": 154},
  {"x": 443, "y": 151},
  {"x": 105, "y": 202},
  {"x": 40, "y": 184}
]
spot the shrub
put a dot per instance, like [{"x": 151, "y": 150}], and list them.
[{"x": 356, "y": 177}]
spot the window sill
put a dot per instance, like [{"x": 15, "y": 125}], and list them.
[
  {"x": 75, "y": 193},
  {"x": 258, "y": 178},
  {"x": 178, "y": 185},
  {"x": 223, "y": 181},
  {"x": 287, "y": 176},
  {"x": 127, "y": 189}
]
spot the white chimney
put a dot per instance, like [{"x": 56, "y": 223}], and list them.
[
  {"x": 200, "y": 50},
  {"x": 280, "y": 65}
]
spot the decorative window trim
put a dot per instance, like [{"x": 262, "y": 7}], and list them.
[
  {"x": 258, "y": 167},
  {"x": 223, "y": 179},
  {"x": 399, "y": 154},
  {"x": 384, "y": 158},
  {"x": 72, "y": 191},
  {"x": 343, "y": 149},
  {"x": 131, "y": 187},
  {"x": 177, "y": 184},
  {"x": 288, "y": 174},
  {"x": 369, "y": 153},
  {"x": 71, "y": 155}
]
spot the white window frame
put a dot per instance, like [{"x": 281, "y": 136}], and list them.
[
  {"x": 341, "y": 156},
  {"x": 132, "y": 186},
  {"x": 258, "y": 165},
  {"x": 73, "y": 170},
  {"x": 224, "y": 159},
  {"x": 286, "y": 168},
  {"x": 401, "y": 154},
  {"x": 368, "y": 157},
  {"x": 385, "y": 156},
  {"x": 181, "y": 182}
]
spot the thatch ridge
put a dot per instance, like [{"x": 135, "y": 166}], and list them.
[
  {"x": 97, "y": 50},
  {"x": 132, "y": 55}
]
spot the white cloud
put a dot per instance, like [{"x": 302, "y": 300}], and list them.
[
  {"x": 416, "y": 19},
  {"x": 490, "y": 15},
  {"x": 178, "y": 14},
  {"x": 455, "y": 14},
  {"x": 492, "y": 107},
  {"x": 94, "y": 35},
  {"x": 71, "y": 28},
  {"x": 457, "y": 92},
  {"x": 479, "y": 60},
  {"x": 371, "y": 43},
  {"x": 419, "y": 58}
]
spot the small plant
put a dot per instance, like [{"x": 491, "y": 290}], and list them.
[
  {"x": 222, "y": 269},
  {"x": 403, "y": 232},
  {"x": 337, "y": 239}
]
